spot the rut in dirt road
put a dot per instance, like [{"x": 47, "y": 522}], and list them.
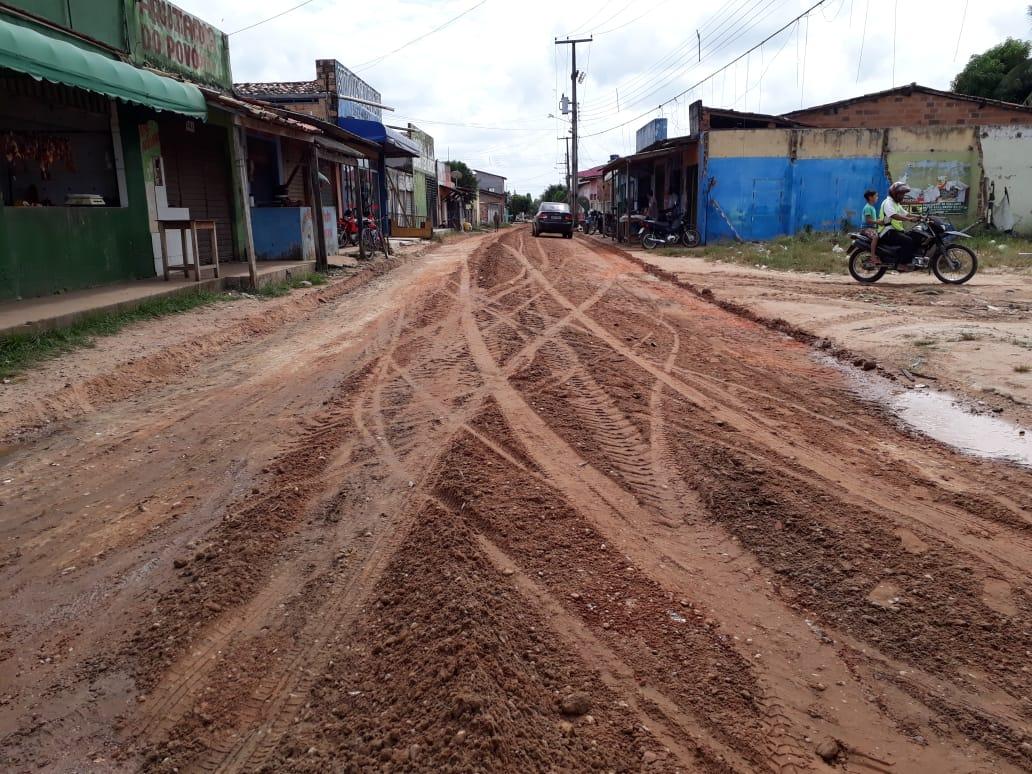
[{"x": 546, "y": 512}]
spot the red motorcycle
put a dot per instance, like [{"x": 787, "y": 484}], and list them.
[
  {"x": 348, "y": 233},
  {"x": 347, "y": 230}
]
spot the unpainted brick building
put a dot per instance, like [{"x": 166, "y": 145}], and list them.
[{"x": 913, "y": 106}]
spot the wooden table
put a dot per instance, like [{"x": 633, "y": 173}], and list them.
[{"x": 193, "y": 226}]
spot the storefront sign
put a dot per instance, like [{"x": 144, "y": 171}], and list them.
[
  {"x": 170, "y": 39},
  {"x": 350, "y": 85}
]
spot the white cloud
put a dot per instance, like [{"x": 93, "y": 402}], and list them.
[{"x": 498, "y": 66}]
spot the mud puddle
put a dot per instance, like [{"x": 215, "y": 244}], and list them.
[{"x": 945, "y": 418}]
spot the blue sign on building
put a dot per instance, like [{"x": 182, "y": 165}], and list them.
[
  {"x": 654, "y": 131},
  {"x": 350, "y": 85}
]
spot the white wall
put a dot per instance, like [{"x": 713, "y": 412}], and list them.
[{"x": 1007, "y": 161}]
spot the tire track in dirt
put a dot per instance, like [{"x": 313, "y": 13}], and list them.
[{"x": 707, "y": 431}]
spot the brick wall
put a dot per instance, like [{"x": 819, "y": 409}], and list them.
[{"x": 916, "y": 109}]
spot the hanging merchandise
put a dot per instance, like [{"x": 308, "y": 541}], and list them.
[{"x": 45, "y": 150}]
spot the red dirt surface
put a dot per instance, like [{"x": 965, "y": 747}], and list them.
[{"x": 521, "y": 506}]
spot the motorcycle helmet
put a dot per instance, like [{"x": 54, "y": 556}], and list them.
[{"x": 899, "y": 188}]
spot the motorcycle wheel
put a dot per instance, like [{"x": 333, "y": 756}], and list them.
[
  {"x": 371, "y": 241},
  {"x": 650, "y": 242},
  {"x": 956, "y": 265},
  {"x": 859, "y": 272},
  {"x": 690, "y": 237}
]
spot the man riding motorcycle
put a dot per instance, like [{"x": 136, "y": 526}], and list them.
[{"x": 894, "y": 216}]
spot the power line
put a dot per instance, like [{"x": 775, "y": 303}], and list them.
[
  {"x": 863, "y": 38},
  {"x": 774, "y": 34},
  {"x": 377, "y": 60},
  {"x": 632, "y": 21},
  {"x": 895, "y": 25},
  {"x": 647, "y": 83},
  {"x": 725, "y": 40},
  {"x": 472, "y": 126},
  {"x": 644, "y": 79},
  {"x": 583, "y": 27},
  {"x": 960, "y": 34},
  {"x": 263, "y": 21},
  {"x": 806, "y": 46}
]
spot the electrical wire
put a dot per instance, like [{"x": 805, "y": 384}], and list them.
[
  {"x": 438, "y": 28},
  {"x": 632, "y": 21},
  {"x": 863, "y": 38},
  {"x": 774, "y": 34},
  {"x": 586, "y": 25},
  {"x": 960, "y": 34},
  {"x": 642, "y": 94},
  {"x": 672, "y": 60},
  {"x": 667, "y": 72},
  {"x": 263, "y": 21},
  {"x": 895, "y": 25},
  {"x": 806, "y": 46}
]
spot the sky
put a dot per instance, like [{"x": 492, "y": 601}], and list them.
[{"x": 485, "y": 84}]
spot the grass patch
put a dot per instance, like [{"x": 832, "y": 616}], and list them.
[
  {"x": 815, "y": 252},
  {"x": 1022, "y": 369},
  {"x": 277, "y": 289},
  {"x": 804, "y": 252},
  {"x": 21, "y": 351},
  {"x": 1000, "y": 251},
  {"x": 924, "y": 343},
  {"x": 967, "y": 336}
]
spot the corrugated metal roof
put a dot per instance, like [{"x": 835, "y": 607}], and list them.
[{"x": 255, "y": 110}]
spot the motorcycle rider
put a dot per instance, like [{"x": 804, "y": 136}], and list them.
[{"x": 894, "y": 216}]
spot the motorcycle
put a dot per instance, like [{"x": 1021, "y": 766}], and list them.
[
  {"x": 933, "y": 247},
  {"x": 372, "y": 238},
  {"x": 348, "y": 233},
  {"x": 347, "y": 230},
  {"x": 659, "y": 233}
]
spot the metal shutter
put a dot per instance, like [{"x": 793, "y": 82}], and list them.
[{"x": 198, "y": 177}]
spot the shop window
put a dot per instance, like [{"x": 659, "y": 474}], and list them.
[{"x": 58, "y": 147}]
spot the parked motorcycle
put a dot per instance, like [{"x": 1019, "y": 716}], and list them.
[
  {"x": 348, "y": 233},
  {"x": 660, "y": 233},
  {"x": 347, "y": 230},
  {"x": 933, "y": 247}
]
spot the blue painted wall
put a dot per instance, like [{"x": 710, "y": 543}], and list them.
[
  {"x": 767, "y": 197},
  {"x": 277, "y": 233}
]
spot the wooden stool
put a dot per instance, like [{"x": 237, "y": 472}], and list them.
[
  {"x": 182, "y": 225},
  {"x": 204, "y": 225}
]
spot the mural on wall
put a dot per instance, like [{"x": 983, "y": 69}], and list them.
[{"x": 940, "y": 183}]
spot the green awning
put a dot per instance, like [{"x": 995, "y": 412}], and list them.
[{"x": 33, "y": 53}]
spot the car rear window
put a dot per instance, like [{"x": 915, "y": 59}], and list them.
[{"x": 554, "y": 207}]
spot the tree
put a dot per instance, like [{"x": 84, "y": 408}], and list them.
[
  {"x": 520, "y": 204},
  {"x": 556, "y": 193},
  {"x": 1004, "y": 72},
  {"x": 463, "y": 175}
]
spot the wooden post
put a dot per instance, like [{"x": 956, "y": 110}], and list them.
[
  {"x": 360, "y": 215},
  {"x": 244, "y": 195},
  {"x": 321, "y": 257}
]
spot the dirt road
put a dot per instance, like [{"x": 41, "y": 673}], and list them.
[
  {"x": 974, "y": 340},
  {"x": 517, "y": 506}
]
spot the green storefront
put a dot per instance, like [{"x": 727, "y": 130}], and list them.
[{"x": 81, "y": 128}]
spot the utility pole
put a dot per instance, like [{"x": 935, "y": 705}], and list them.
[
  {"x": 572, "y": 43},
  {"x": 567, "y": 138}
]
